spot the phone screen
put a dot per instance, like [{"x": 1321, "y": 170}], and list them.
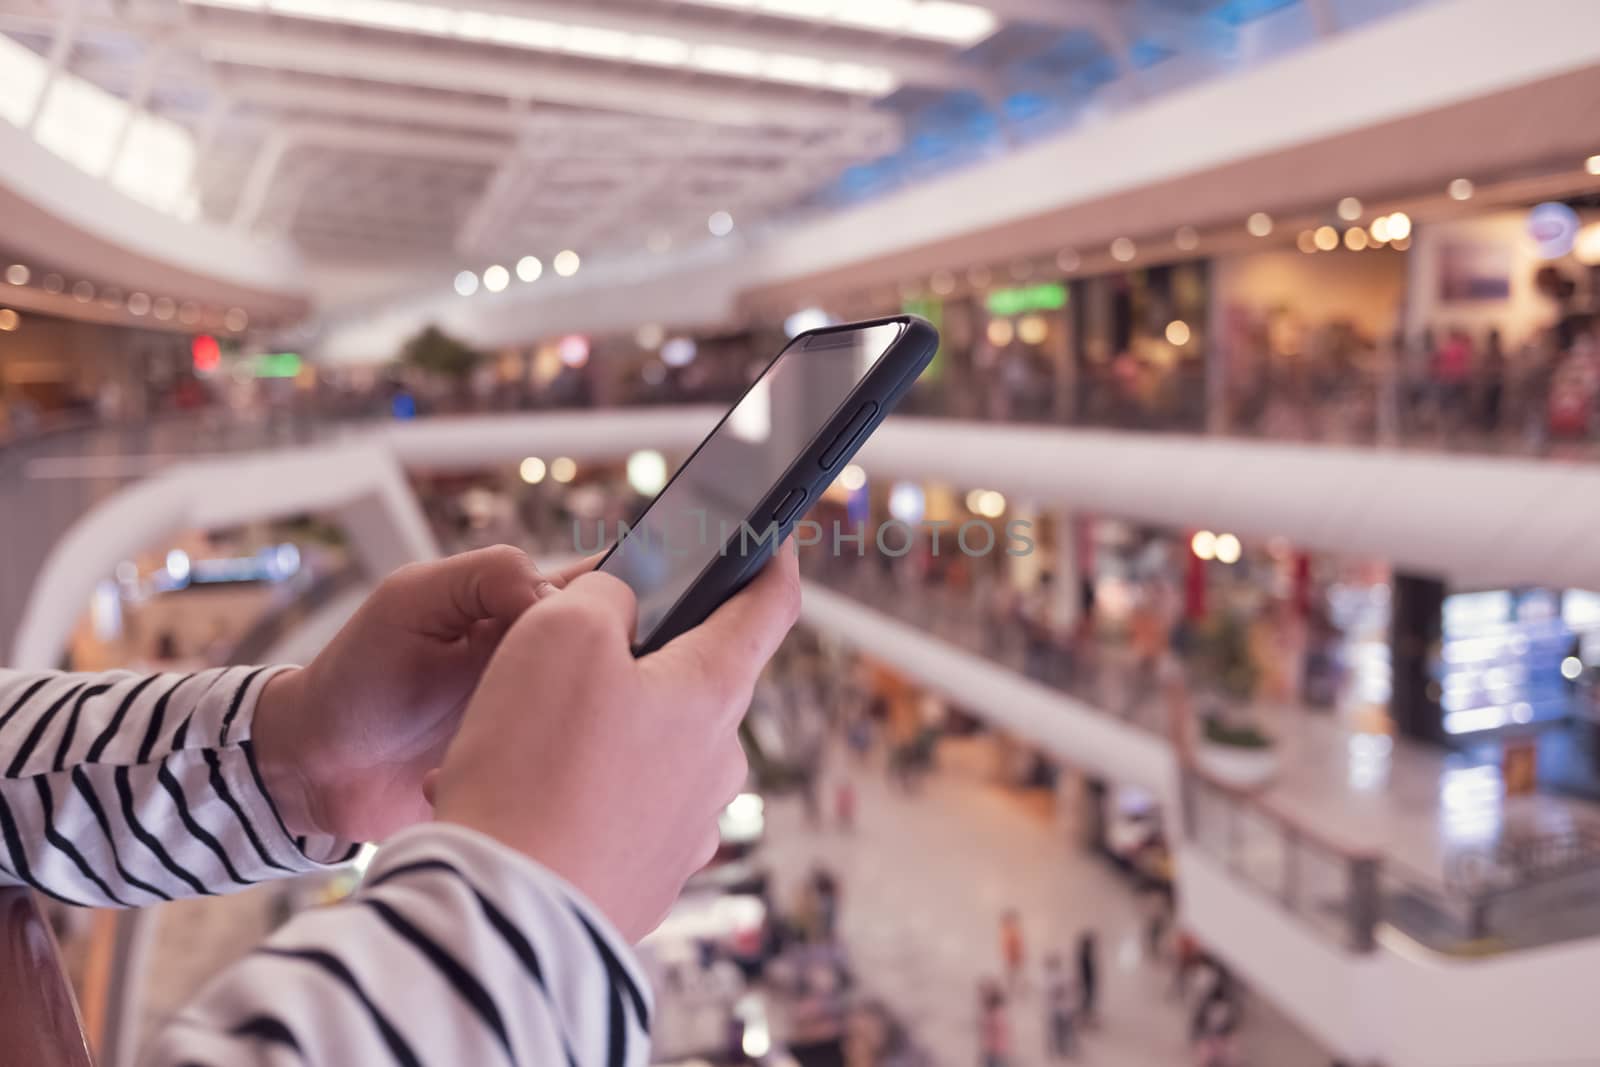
[{"x": 698, "y": 515}]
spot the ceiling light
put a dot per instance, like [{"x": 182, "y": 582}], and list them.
[
  {"x": 18, "y": 274},
  {"x": 1586, "y": 248},
  {"x": 567, "y": 263},
  {"x": 679, "y": 351},
  {"x": 936, "y": 21},
  {"x": 807, "y": 318},
  {"x": 466, "y": 283},
  {"x": 496, "y": 278},
  {"x": 800, "y": 70},
  {"x": 963, "y": 24},
  {"x": 858, "y": 78},
  {"x": 9, "y": 320},
  {"x": 727, "y": 59},
  {"x": 908, "y": 502},
  {"x": 1399, "y": 226},
  {"x": 1177, "y": 333},
  {"x": 138, "y": 303},
  {"x": 1068, "y": 260},
  {"x": 235, "y": 319},
  {"x": 720, "y": 224},
  {"x": 1228, "y": 548},
  {"x": 1203, "y": 544},
  {"x": 1355, "y": 238},
  {"x": 1306, "y": 242},
  {"x": 1461, "y": 189},
  {"x": 649, "y": 336},
  {"x": 991, "y": 503},
  {"x": 164, "y": 308},
  {"x": 53, "y": 283},
  {"x": 83, "y": 292},
  {"x": 1349, "y": 209},
  {"x": 563, "y": 469},
  {"x": 1187, "y": 239},
  {"x": 529, "y": 268},
  {"x": 1379, "y": 229},
  {"x": 574, "y": 349},
  {"x": 1592, "y": 164},
  {"x": 1326, "y": 238},
  {"x": 647, "y": 472},
  {"x": 1259, "y": 224},
  {"x": 532, "y": 470},
  {"x": 1123, "y": 250},
  {"x": 1032, "y": 329},
  {"x": 660, "y": 51},
  {"x": 1000, "y": 332}
]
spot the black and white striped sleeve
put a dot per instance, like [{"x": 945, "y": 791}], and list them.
[
  {"x": 124, "y": 790},
  {"x": 118, "y": 790},
  {"x": 455, "y": 951}
]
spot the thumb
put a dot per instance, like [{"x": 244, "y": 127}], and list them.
[{"x": 738, "y": 639}]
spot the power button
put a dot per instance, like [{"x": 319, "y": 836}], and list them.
[{"x": 848, "y": 434}]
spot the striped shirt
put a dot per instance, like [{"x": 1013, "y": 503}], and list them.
[{"x": 120, "y": 790}]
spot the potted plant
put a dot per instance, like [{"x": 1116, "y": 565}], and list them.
[
  {"x": 1231, "y": 744},
  {"x": 437, "y": 354}
]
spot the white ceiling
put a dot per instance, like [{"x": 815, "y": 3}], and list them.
[{"x": 402, "y": 135}]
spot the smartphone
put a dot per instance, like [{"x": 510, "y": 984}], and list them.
[{"x": 739, "y": 494}]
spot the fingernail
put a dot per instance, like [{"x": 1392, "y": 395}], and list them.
[{"x": 543, "y": 589}]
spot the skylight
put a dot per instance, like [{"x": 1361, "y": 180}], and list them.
[
  {"x": 80, "y": 121},
  {"x": 543, "y": 35}
]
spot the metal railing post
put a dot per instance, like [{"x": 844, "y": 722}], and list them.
[
  {"x": 1291, "y": 868},
  {"x": 1363, "y": 904}
]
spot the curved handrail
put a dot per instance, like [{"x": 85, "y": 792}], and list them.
[{"x": 39, "y": 1021}]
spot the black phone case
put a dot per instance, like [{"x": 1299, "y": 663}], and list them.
[{"x": 743, "y": 558}]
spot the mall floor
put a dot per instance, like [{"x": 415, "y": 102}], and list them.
[{"x": 925, "y": 880}]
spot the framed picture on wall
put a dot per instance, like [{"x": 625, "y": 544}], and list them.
[{"x": 1473, "y": 271}]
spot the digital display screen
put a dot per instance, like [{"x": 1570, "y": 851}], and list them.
[{"x": 699, "y": 515}]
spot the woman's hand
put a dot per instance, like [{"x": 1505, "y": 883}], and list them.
[
  {"x": 610, "y": 770},
  {"x": 344, "y": 744}
]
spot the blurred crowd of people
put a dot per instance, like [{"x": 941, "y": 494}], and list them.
[{"x": 1275, "y": 376}]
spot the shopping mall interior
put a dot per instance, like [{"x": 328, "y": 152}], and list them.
[{"x": 1210, "y": 674}]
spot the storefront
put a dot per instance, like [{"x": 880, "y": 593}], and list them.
[
  {"x": 1301, "y": 337},
  {"x": 1499, "y": 323},
  {"x": 1139, "y": 344}
]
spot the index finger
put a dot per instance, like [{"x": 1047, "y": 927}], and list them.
[
  {"x": 731, "y": 647},
  {"x": 448, "y": 596},
  {"x": 568, "y": 571}
]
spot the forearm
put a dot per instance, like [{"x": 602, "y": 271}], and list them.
[
  {"x": 121, "y": 790},
  {"x": 455, "y": 951}
]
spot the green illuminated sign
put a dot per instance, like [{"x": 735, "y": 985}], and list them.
[
  {"x": 278, "y": 365},
  {"x": 1047, "y": 297}
]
